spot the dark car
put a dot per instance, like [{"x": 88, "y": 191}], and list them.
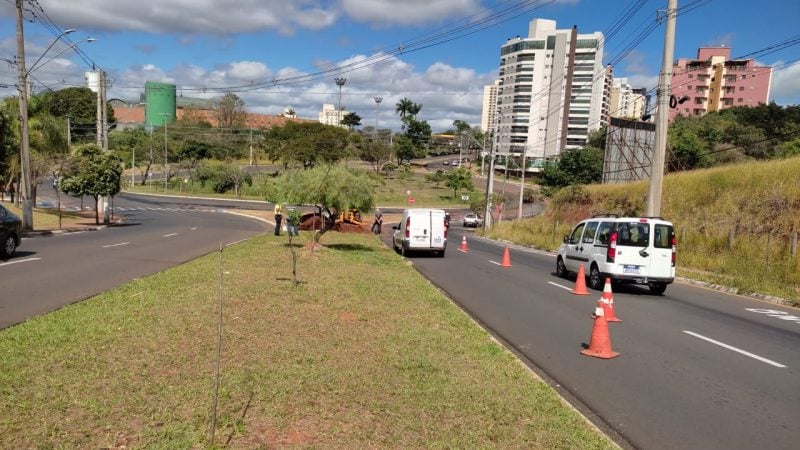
[{"x": 10, "y": 232}]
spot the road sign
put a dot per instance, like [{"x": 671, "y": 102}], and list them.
[
  {"x": 465, "y": 197},
  {"x": 410, "y": 200}
]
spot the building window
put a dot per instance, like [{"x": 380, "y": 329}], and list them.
[
  {"x": 691, "y": 75},
  {"x": 698, "y": 100},
  {"x": 743, "y": 77},
  {"x": 739, "y": 100},
  {"x": 741, "y": 88}
]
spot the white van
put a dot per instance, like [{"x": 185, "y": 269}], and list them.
[
  {"x": 626, "y": 249},
  {"x": 421, "y": 230}
]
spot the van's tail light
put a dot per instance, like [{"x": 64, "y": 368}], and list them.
[
  {"x": 445, "y": 227},
  {"x": 611, "y": 254},
  {"x": 674, "y": 249},
  {"x": 408, "y": 226}
]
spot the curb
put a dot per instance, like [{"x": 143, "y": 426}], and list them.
[{"x": 42, "y": 233}]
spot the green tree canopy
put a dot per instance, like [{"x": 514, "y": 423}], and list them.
[
  {"x": 351, "y": 120},
  {"x": 94, "y": 173},
  {"x": 459, "y": 179},
  {"x": 77, "y": 103},
  {"x": 576, "y": 166},
  {"x": 305, "y": 144}
]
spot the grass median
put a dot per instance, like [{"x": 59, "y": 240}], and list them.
[{"x": 363, "y": 353}]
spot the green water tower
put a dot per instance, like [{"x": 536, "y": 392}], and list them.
[{"x": 160, "y": 103}]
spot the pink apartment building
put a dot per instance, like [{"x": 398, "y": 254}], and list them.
[{"x": 713, "y": 82}]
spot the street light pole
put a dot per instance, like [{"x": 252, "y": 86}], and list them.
[
  {"x": 378, "y": 101},
  {"x": 340, "y": 82},
  {"x": 166, "y": 165}
]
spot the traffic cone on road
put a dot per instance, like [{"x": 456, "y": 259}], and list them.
[
  {"x": 580, "y": 283},
  {"x": 464, "y": 247},
  {"x": 608, "y": 303},
  {"x": 506, "y": 258},
  {"x": 600, "y": 342}
]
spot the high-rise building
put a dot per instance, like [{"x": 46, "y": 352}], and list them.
[
  {"x": 713, "y": 82},
  {"x": 551, "y": 91},
  {"x": 608, "y": 84},
  {"x": 489, "y": 114},
  {"x": 626, "y": 102},
  {"x": 331, "y": 116}
]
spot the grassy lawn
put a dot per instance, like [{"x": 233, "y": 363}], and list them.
[{"x": 371, "y": 356}]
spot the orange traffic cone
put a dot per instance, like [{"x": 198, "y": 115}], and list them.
[
  {"x": 600, "y": 343},
  {"x": 608, "y": 303},
  {"x": 506, "y": 258},
  {"x": 580, "y": 283},
  {"x": 464, "y": 244}
]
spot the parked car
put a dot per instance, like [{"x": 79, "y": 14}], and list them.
[
  {"x": 421, "y": 230},
  {"x": 638, "y": 250},
  {"x": 10, "y": 232},
  {"x": 472, "y": 220},
  {"x": 446, "y": 163}
]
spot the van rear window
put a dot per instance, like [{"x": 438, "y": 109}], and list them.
[
  {"x": 663, "y": 236},
  {"x": 633, "y": 234}
]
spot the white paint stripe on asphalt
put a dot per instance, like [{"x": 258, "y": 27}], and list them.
[
  {"x": 171, "y": 234},
  {"x": 116, "y": 245},
  {"x": 495, "y": 262},
  {"x": 194, "y": 228},
  {"x": 19, "y": 261},
  {"x": 558, "y": 285},
  {"x": 738, "y": 350},
  {"x": 234, "y": 243}
]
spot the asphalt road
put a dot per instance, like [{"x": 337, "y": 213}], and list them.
[
  {"x": 49, "y": 272},
  {"x": 698, "y": 368}
]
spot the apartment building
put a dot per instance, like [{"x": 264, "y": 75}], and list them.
[
  {"x": 713, "y": 82},
  {"x": 332, "y": 116},
  {"x": 551, "y": 91},
  {"x": 489, "y": 113},
  {"x": 626, "y": 102}
]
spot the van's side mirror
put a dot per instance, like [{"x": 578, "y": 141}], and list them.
[
  {"x": 566, "y": 240},
  {"x": 395, "y": 227}
]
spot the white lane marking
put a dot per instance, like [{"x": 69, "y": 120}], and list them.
[
  {"x": 776, "y": 313},
  {"x": 558, "y": 285},
  {"x": 171, "y": 234},
  {"x": 19, "y": 261},
  {"x": 495, "y": 262},
  {"x": 738, "y": 350},
  {"x": 194, "y": 228},
  {"x": 116, "y": 245}
]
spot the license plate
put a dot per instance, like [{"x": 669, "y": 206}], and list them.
[
  {"x": 630, "y": 269},
  {"x": 437, "y": 240}
]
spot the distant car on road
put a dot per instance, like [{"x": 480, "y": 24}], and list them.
[
  {"x": 10, "y": 232},
  {"x": 446, "y": 163},
  {"x": 472, "y": 220}
]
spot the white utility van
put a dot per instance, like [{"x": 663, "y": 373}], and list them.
[
  {"x": 421, "y": 230},
  {"x": 626, "y": 249}
]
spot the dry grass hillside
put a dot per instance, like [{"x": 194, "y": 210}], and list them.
[{"x": 736, "y": 225}]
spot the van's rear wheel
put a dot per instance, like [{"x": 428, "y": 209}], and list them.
[
  {"x": 595, "y": 279},
  {"x": 403, "y": 250},
  {"x": 561, "y": 268},
  {"x": 657, "y": 288}
]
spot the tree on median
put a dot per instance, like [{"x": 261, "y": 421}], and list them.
[
  {"x": 94, "y": 173},
  {"x": 332, "y": 188},
  {"x": 459, "y": 179}
]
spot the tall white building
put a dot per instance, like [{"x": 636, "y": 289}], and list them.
[
  {"x": 625, "y": 102},
  {"x": 331, "y": 116},
  {"x": 551, "y": 91},
  {"x": 489, "y": 114}
]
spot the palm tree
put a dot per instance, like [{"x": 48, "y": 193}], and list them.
[
  {"x": 404, "y": 107},
  {"x": 414, "y": 110}
]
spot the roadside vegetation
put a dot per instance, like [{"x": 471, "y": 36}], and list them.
[{"x": 371, "y": 356}]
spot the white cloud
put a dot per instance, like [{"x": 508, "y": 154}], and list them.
[
  {"x": 786, "y": 84},
  {"x": 409, "y": 12},
  {"x": 217, "y": 17}
]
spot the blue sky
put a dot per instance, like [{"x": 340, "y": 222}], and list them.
[{"x": 208, "y": 47}]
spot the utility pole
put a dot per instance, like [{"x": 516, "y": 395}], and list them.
[
  {"x": 104, "y": 109},
  {"x": 664, "y": 83},
  {"x": 69, "y": 134},
  {"x": 522, "y": 182},
  {"x": 339, "y": 82},
  {"x": 166, "y": 166},
  {"x": 251, "y": 147},
  {"x": 487, "y": 217},
  {"x": 24, "y": 143}
]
